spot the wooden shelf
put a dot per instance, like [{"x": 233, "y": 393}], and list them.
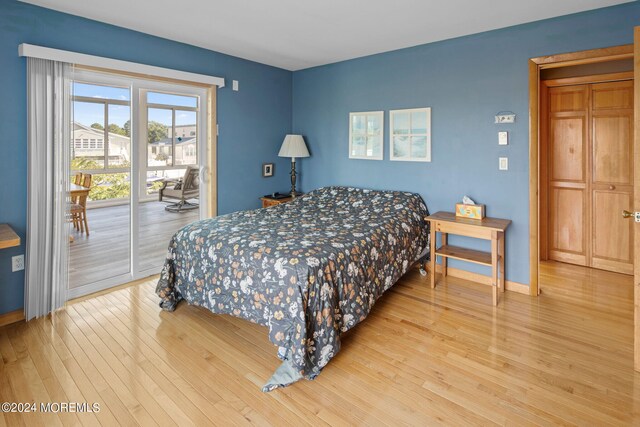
[
  {"x": 464, "y": 254},
  {"x": 8, "y": 237}
]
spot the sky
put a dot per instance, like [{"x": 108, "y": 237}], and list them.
[{"x": 88, "y": 113}]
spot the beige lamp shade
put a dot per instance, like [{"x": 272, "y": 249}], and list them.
[{"x": 293, "y": 146}]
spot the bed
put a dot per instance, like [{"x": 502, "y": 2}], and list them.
[{"x": 309, "y": 270}]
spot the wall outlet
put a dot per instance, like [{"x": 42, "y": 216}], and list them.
[
  {"x": 503, "y": 138},
  {"x": 235, "y": 85},
  {"x": 17, "y": 263},
  {"x": 503, "y": 163}
]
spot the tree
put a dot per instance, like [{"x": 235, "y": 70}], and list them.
[
  {"x": 97, "y": 126},
  {"x": 104, "y": 186},
  {"x": 114, "y": 128},
  {"x": 156, "y": 131},
  {"x": 127, "y": 128}
]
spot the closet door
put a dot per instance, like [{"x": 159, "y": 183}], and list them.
[
  {"x": 568, "y": 174},
  {"x": 612, "y": 175}
]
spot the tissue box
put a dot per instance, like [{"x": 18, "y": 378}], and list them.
[{"x": 469, "y": 211}]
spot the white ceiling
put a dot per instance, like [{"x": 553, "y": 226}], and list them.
[{"x": 297, "y": 34}]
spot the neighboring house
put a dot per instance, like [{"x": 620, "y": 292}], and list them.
[
  {"x": 183, "y": 131},
  {"x": 160, "y": 151},
  {"x": 88, "y": 143}
]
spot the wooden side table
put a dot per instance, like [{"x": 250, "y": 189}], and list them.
[
  {"x": 8, "y": 237},
  {"x": 492, "y": 229},
  {"x": 268, "y": 201}
]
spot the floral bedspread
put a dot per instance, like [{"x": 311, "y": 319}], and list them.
[{"x": 308, "y": 270}]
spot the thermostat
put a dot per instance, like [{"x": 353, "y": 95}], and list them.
[{"x": 506, "y": 117}]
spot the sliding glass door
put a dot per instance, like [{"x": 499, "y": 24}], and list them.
[
  {"x": 140, "y": 148},
  {"x": 101, "y": 183},
  {"x": 172, "y": 158}
]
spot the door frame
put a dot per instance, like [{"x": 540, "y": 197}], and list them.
[
  {"x": 535, "y": 67},
  {"x": 208, "y": 174}
]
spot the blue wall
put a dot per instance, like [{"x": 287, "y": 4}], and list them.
[
  {"x": 253, "y": 121},
  {"x": 466, "y": 81}
]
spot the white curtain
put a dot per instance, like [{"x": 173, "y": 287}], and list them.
[{"x": 48, "y": 134}]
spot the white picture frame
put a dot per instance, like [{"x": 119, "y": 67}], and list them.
[
  {"x": 366, "y": 135},
  {"x": 410, "y": 135}
]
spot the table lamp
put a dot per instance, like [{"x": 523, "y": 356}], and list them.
[{"x": 293, "y": 146}]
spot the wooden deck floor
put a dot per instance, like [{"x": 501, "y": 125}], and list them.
[
  {"x": 105, "y": 252},
  {"x": 423, "y": 357}
]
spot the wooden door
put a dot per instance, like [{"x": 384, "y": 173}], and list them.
[
  {"x": 612, "y": 176},
  {"x": 590, "y": 170},
  {"x": 567, "y": 170},
  {"x": 636, "y": 198}
]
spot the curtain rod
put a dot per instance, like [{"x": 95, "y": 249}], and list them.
[{"x": 76, "y": 58}]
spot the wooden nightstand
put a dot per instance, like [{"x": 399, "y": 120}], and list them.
[
  {"x": 8, "y": 237},
  {"x": 492, "y": 229},
  {"x": 268, "y": 201}
]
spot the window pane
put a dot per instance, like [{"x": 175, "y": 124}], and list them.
[
  {"x": 419, "y": 147},
  {"x": 359, "y": 146},
  {"x": 373, "y": 146},
  {"x": 400, "y": 123},
  {"x": 88, "y": 124},
  {"x": 176, "y": 100},
  {"x": 400, "y": 147},
  {"x": 186, "y": 142},
  {"x": 158, "y": 136},
  {"x": 103, "y": 92},
  {"x": 119, "y": 136},
  {"x": 358, "y": 123},
  {"x": 419, "y": 122},
  {"x": 373, "y": 125}
]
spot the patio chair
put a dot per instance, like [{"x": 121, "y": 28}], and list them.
[{"x": 183, "y": 190}]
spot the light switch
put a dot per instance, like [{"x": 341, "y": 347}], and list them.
[
  {"x": 235, "y": 85},
  {"x": 503, "y": 163},
  {"x": 503, "y": 138}
]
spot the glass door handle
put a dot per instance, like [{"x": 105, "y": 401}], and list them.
[{"x": 204, "y": 174}]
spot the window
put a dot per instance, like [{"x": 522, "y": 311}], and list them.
[
  {"x": 365, "y": 135},
  {"x": 410, "y": 135},
  {"x": 101, "y": 143},
  {"x": 168, "y": 118},
  {"x": 101, "y": 127}
]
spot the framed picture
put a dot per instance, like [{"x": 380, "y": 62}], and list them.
[
  {"x": 366, "y": 132},
  {"x": 410, "y": 135},
  {"x": 267, "y": 170}
]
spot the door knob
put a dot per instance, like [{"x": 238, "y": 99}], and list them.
[
  {"x": 635, "y": 215},
  {"x": 612, "y": 187}
]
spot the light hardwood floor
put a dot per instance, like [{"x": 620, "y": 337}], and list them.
[
  {"x": 423, "y": 357},
  {"x": 105, "y": 252}
]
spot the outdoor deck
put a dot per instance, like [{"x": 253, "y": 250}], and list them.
[{"x": 105, "y": 252}]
